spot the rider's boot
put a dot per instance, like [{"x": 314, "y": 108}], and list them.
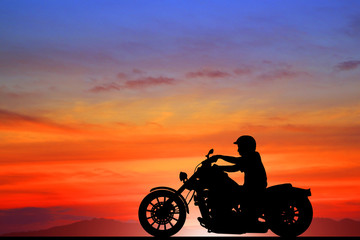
[
  {"x": 202, "y": 222},
  {"x": 251, "y": 221},
  {"x": 254, "y": 225}
]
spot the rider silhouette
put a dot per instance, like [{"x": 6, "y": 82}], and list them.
[{"x": 255, "y": 180}]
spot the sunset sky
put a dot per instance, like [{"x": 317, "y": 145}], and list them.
[{"x": 102, "y": 100}]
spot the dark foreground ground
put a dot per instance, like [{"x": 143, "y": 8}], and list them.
[{"x": 195, "y": 237}]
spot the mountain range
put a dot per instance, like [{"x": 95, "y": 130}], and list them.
[{"x": 110, "y": 227}]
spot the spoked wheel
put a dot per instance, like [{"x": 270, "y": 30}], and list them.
[
  {"x": 162, "y": 213},
  {"x": 292, "y": 218}
]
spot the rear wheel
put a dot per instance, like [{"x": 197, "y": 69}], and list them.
[
  {"x": 291, "y": 218},
  {"x": 162, "y": 213}
]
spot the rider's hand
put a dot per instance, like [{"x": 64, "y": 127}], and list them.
[{"x": 214, "y": 158}]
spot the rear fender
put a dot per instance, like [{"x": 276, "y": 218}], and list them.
[
  {"x": 175, "y": 192},
  {"x": 285, "y": 191}
]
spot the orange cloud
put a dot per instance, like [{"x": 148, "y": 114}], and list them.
[{"x": 12, "y": 121}]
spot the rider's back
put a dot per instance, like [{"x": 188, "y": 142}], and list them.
[{"x": 255, "y": 175}]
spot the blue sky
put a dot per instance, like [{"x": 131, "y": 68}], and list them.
[{"x": 199, "y": 32}]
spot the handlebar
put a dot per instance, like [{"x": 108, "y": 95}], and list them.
[{"x": 206, "y": 163}]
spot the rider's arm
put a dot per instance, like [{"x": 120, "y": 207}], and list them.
[
  {"x": 232, "y": 168},
  {"x": 229, "y": 159}
]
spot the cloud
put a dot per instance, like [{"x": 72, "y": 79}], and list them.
[
  {"x": 134, "y": 84},
  {"x": 15, "y": 178},
  {"x": 12, "y": 178},
  {"x": 138, "y": 71},
  {"x": 48, "y": 59},
  {"x": 149, "y": 81},
  {"x": 280, "y": 74},
  {"x": 6, "y": 94},
  {"x": 7, "y": 117},
  {"x": 243, "y": 71},
  {"x": 208, "y": 73},
  {"x": 353, "y": 28},
  {"x": 121, "y": 75},
  {"x": 106, "y": 87},
  {"x": 347, "y": 65},
  {"x": 16, "y": 121},
  {"x": 348, "y": 174}
]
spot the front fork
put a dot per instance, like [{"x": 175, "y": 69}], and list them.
[
  {"x": 201, "y": 200},
  {"x": 200, "y": 195}
]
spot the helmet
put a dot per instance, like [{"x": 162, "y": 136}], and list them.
[{"x": 247, "y": 142}]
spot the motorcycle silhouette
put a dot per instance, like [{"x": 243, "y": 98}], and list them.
[{"x": 284, "y": 209}]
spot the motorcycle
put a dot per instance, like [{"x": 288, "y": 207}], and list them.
[{"x": 284, "y": 209}]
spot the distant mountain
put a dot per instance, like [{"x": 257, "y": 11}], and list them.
[
  {"x": 109, "y": 227},
  {"x": 94, "y": 227},
  {"x": 330, "y": 227}
]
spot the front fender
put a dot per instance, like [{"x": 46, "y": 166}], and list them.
[{"x": 175, "y": 192}]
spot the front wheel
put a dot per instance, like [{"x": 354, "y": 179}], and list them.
[
  {"x": 162, "y": 213},
  {"x": 291, "y": 218}
]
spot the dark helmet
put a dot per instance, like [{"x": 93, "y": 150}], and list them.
[{"x": 246, "y": 142}]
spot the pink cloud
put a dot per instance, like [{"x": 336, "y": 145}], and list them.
[
  {"x": 280, "y": 74},
  {"x": 121, "y": 75},
  {"x": 243, "y": 71},
  {"x": 106, "y": 87},
  {"x": 208, "y": 73},
  {"x": 347, "y": 65},
  {"x": 137, "y": 71},
  {"x": 134, "y": 84},
  {"x": 149, "y": 81}
]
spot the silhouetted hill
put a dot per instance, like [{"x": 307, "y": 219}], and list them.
[
  {"x": 109, "y": 227},
  {"x": 94, "y": 227},
  {"x": 330, "y": 227}
]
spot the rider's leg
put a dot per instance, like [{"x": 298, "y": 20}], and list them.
[{"x": 251, "y": 205}]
